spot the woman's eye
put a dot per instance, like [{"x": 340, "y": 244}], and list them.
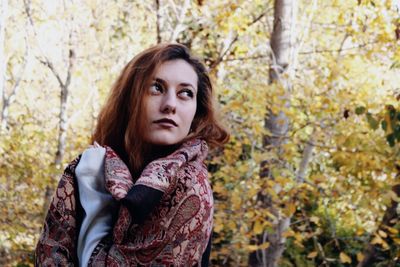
[
  {"x": 186, "y": 93},
  {"x": 156, "y": 88}
]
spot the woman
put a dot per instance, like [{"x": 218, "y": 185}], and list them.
[{"x": 140, "y": 196}]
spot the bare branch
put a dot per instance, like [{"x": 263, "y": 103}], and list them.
[
  {"x": 71, "y": 60},
  {"x": 3, "y": 10},
  {"x": 51, "y": 67},
  {"x": 224, "y": 51},
  {"x": 317, "y": 245},
  {"x": 305, "y": 159},
  {"x": 8, "y": 100},
  {"x": 305, "y": 33},
  {"x": 173, "y": 6},
  {"x": 337, "y": 50},
  {"x": 158, "y": 21},
  {"x": 179, "y": 27},
  {"x": 228, "y": 45},
  {"x": 246, "y": 58},
  {"x": 46, "y": 61}
]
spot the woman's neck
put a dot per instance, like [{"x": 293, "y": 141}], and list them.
[{"x": 153, "y": 152}]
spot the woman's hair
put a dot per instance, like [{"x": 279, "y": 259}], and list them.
[{"x": 120, "y": 121}]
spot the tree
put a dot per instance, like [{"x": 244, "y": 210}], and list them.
[
  {"x": 277, "y": 124},
  {"x": 3, "y": 15},
  {"x": 64, "y": 92},
  {"x": 386, "y": 231},
  {"x": 322, "y": 169},
  {"x": 8, "y": 95}
]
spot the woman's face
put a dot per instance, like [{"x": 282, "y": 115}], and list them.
[{"x": 170, "y": 103}]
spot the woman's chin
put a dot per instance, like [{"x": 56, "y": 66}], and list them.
[{"x": 164, "y": 140}]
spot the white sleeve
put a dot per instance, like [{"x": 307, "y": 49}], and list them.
[{"x": 97, "y": 203}]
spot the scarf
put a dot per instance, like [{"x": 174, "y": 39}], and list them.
[{"x": 175, "y": 232}]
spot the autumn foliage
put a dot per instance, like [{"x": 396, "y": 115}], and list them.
[{"x": 334, "y": 173}]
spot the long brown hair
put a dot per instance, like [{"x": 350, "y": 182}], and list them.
[{"x": 119, "y": 122}]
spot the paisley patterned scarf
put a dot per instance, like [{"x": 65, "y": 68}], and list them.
[{"x": 174, "y": 232}]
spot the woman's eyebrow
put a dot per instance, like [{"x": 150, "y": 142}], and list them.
[
  {"x": 159, "y": 80},
  {"x": 187, "y": 84}
]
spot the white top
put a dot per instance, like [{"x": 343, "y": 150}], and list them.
[{"x": 97, "y": 203}]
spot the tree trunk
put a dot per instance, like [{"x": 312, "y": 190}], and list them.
[
  {"x": 3, "y": 12},
  {"x": 278, "y": 125},
  {"x": 63, "y": 120},
  {"x": 390, "y": 218},
  {"x": 158, "y": 21},
  {"x": 305, "y": 160},
  {"x": 62, "y": 133},
  {"x": 8, "y": 100},
  {"x": 62, "y": 136},
  {"x": 179, "y": 26}
]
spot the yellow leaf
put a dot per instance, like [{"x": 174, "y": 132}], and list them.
[
  {"x": 360, "y": 256},
  {"x": 376, "y": 240},
  {"x": 232, "y": 225},
  {"x": 288, "y": 233},
  {"x": 252, "y": 247},
  {"x": 318, "y": 231},
  {"x": 302, "y": 227},
  {"x": 298, "y": 237},
  {"x": 257, "y": 229},
  {"x": 299, "y": 244},
  {"x": 236, "y": 202},
  {"x": 382, "y": 233},
  {"x": 264, "y": 245},
  {"x": 360, "y": 231},
  {"x": 312, "y": 255},
  {"x": 341, "y": 19},
  {"x": 218, "y": 227},
  {"x": 344, "y": 258},
  {"x": 250, "y": 214},
  {"x": 257, "y": 247},
  {"x": 397, "y": 240},
  {"x": 218, "y": 187},
  {"x": 394, "y": 196},
  {"x": 314, "y": 219},
  {"x": 389, "y": 129},
  {"x": 291, "y": 208},
  {"x": 392, "y": 230},
  {"x": 385, "y": 246}
]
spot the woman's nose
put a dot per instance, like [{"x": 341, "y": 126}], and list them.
[{"x": 169, "y": 103}]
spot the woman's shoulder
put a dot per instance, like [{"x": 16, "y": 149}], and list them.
[
  {"x": 91, "y": 161},
  {"x": 89, "y": 156}
]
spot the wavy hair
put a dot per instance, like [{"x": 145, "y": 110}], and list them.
[{"x": 119, "y": 122}]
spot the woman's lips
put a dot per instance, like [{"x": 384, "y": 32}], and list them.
[{"x": 166, "y": 123}]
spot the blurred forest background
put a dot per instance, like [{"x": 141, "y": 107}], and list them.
[{"x": 310, "y": 91}]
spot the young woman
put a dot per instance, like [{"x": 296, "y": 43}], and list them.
[{"x": 140, "y": 196}]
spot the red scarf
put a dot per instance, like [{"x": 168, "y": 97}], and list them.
[{"x": 175, "y": 233}]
